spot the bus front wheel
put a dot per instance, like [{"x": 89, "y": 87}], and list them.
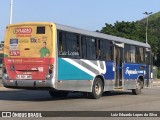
[
  {"x": 58, "y": 94},
  {"x": 137, "y": 91},
  {"x": 97, "y": 89}
]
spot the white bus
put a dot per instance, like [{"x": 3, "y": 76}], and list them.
[{"x": 63, "y": 59}]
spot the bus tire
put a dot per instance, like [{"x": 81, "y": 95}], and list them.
[
  {"x": 137, "y": 91},
  {"x": 97, "y": 89},
  {"x": 58, "y": 94}
]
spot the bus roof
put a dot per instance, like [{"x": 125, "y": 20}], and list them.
[
  {"x": 86, "y": 32},
  {"x": 29, "y": 23},
  {"x": 101, "y": 35}
]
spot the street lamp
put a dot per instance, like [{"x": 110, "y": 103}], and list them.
[
  {"x": 146, "y": 13},
  {"x": 11, "y": 7}
]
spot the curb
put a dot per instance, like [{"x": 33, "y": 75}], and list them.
[
  {"x": 156, "y": 83},
  {"x": 4, "y": 89}
]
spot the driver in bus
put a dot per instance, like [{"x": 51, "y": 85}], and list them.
[{"x": 44, "y": 51}]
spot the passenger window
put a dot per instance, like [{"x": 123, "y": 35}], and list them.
[
  {"x": 73, "y": 46},
  {"x": 141, "y": 54},
  {"x": 109, "y": 51},
  {"x": 69, "y": 45},
  {"x": 62, "y": 43},
  {"x": 106, "y": 50},
  {"x": 89, "y": 48},
  {"x": 84, "y": 48},
  {"x": 133, "y": 54},
  {"x": 127, "y": 53}
]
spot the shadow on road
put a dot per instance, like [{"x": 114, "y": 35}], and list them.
[
  {"x": 39, "y": 96},
  {"x": 115, "y": 93}
]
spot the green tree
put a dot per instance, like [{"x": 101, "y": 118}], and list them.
[{"x": 136, "y": 31}]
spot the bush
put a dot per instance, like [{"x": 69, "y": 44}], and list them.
[{"x": 158, "y": 73}]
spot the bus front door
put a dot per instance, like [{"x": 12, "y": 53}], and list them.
[{"x": 118, "y": 59}]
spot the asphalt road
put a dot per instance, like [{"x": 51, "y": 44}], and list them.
[{"x": 27, "y": 100}]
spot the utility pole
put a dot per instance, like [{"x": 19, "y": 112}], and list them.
[
  {"x": 11, "y": 12},
  {"x": 146, "y": 13}
]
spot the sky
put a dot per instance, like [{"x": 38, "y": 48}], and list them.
[{"x": 85, "y": 14}]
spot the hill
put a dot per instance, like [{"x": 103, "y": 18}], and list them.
[{"x": 152, "y": 17}]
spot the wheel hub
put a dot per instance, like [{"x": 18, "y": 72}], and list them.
[{"x": 97, "y": 89}]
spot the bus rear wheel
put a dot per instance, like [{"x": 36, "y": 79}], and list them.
[
  {"x": 58, "y": 94},
  {"x": 97, "y": 89},
  {"x": 137, "y": 91}
]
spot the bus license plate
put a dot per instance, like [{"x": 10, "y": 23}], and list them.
[{"x": 23, "y": 77}]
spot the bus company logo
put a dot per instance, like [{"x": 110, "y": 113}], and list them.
[
  {"x": 22, "y": 30},
  {"x": 133, "y": 72},
  {"x": 129, "y": 72}
]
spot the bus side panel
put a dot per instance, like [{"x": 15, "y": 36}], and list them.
[
  {"x": 110, "y": 70},
  {"x": 73, "y": 76},
  {"x": 131, "y": 73},
  {"x": 78, "y": 74},
  {"x": 109, "y": 76},
  {"x": 69, "y": 71}
]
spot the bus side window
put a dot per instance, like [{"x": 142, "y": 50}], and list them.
[
  {"x": 62, "y": 43},
  {"x": 141, "y": 54},
  {"x": 73, "y": 46},
  {"x": 127, "y": 53},
  {"x": 91, "y": 48},
  {"x": 109, "y": 50},
  {"x": 84, "y": 49},
  {"x": 78, "y": 46},
  {"x": 101, "y": 49},
  {"x": 106, "y": 50},
  {"x": 137, "y": 55},
  {"x": 133, "y": 54}
]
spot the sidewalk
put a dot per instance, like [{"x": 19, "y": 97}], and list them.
[
  {"x": 4, "y": 89},
  {"x": 1, "y": 83},
  {"x": 156, "y": 82},
  {"x": 1, "y": 86}
]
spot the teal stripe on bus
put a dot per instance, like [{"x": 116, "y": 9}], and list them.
[{"x": 67, "y": 71}]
